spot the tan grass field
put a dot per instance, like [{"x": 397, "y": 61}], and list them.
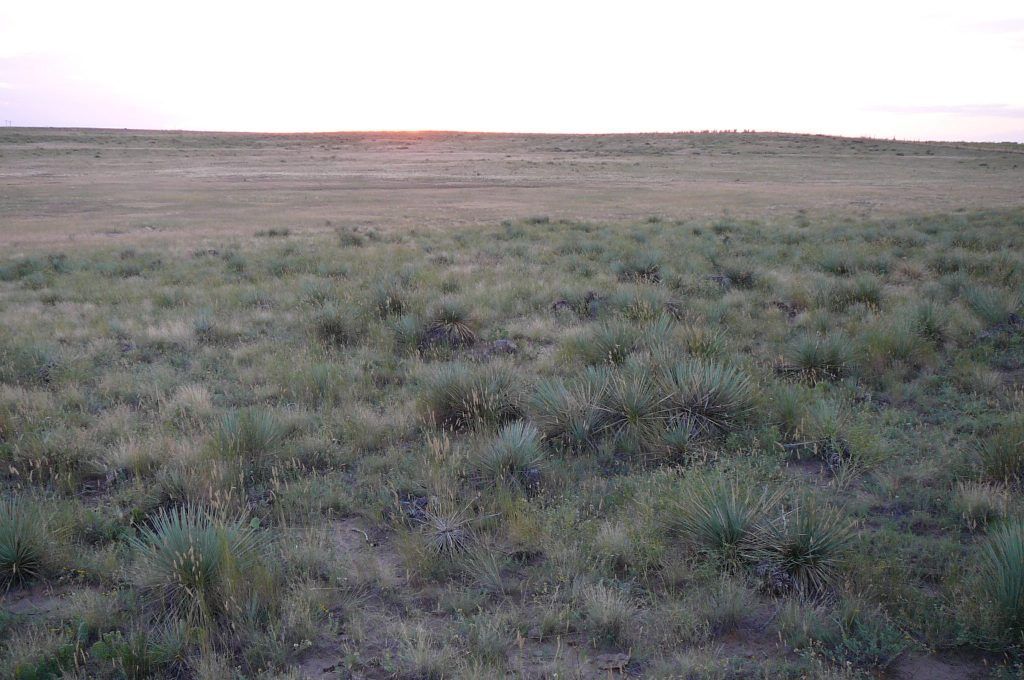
[
  {"x": 441, "y": 406},
  {"x": 91, "y": 186}
]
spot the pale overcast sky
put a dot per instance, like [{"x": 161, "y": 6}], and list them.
[{"x": 910, "y": 69}]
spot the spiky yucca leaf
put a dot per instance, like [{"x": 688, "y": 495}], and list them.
[
  {"x": 512, "y": 457},
  {"x": 715, "y": 397},
  {"x": 567, "y": 412},
  {"x": 188, "y": 562},
  {"x": 24, "y": 542},
  {"x": 720, "y": 517},
  {"x": 633, "y": 409},
  {"x": 816, "y": 358},
  {"x": 1002, "y": 569},
  {"x": 807, "y": 544},
  {"x": 460, "y": 397}
]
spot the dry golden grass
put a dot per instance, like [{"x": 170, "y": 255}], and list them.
[{"x": 104, "y": 187}]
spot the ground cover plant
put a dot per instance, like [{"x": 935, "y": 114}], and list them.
[{"x": 537, "y": 448}]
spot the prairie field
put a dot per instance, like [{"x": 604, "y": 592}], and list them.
[{"x": 440, "y": 405}]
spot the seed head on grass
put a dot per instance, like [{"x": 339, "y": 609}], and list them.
[
  {"x": 189, "y": 563},
  {"x": 459, "y": 397},
  {"x": 512, "y": 457}
]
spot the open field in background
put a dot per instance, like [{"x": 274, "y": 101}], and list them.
[
  {"x": 600, "y": 429},
  {"x": 63, "y": 186}
]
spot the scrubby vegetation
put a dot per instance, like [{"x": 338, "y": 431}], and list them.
[{"x": 536, "y": 449}]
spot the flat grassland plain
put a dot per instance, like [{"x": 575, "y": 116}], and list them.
[{"x": 437, "y": 405}]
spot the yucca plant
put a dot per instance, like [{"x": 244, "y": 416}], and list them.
[
  {"x": 608, "y": 343},
  {"x": 448, "y": 532},
  {"x": 249, "y": 434},
  {"x": 1001, "y": 456},
  {"x": 818, "y": 358},
  {"x": 449, "y": 323},
  {"x": 645, "y": 267},
  {"x": 806, "y": 544},
  {"x": 567, "y": 413},
  {"x": 189, "y": 564},
  {"x": 388, "y": 297},
  {"x": 459, "y": 397},
  {"x": 1002, "y": 575},
  {"x": 25, "y": 542},
  {"x": 512, "y": 457},
  {"x": 633, "y": 410},
  {"x": 992, "y": 305},
  {"x": 714, "y": 397},
  {"x": 336, "y": 327},
  {"x": 701, "y": 340},
  {"x": 930, "y": 322},
  {"x": 720, "y": 517}
]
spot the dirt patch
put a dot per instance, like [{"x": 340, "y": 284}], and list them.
[
  {"x": 40, "y": 600},
  {"x": 924, "y": 667}
]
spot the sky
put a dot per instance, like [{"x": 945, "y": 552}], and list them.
[{"x": 898, "y": 68}]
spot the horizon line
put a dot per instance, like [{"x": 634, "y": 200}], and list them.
[{"x": 724, "y": 131}]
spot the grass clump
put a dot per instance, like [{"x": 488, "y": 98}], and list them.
[
  {"x": 994, "y": 306},
  {"x": 715, "y": 398},
  {"x": 460, "y": 397},
  {"x": 513, "y": 457},
  {"x": 335, "y": 327},
  {"x": 26, "y": 542},
  {"x": 608, "y": 343},
  {"x": 817, "y": 358},
  {"x": 806, "y": 545},
  {"x": 633, "y": 410},
  {"x": 567, "y": 412},
  {"x": 191, "y": 565},
  {"x": 641, "y": 267},
  {"x": 721, "y": 518},
  {"x": 449, "y": 324},
  {"x": 1002, "y": 576},
  {"x": 1001, "y": 456},
  {"x": 609, "y": 613},
  {"x": 249, "y": 434},
  {"x": 863, "y": 289}
]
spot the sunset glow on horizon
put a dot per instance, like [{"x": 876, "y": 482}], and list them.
[{"x": 913, "y": 70}]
